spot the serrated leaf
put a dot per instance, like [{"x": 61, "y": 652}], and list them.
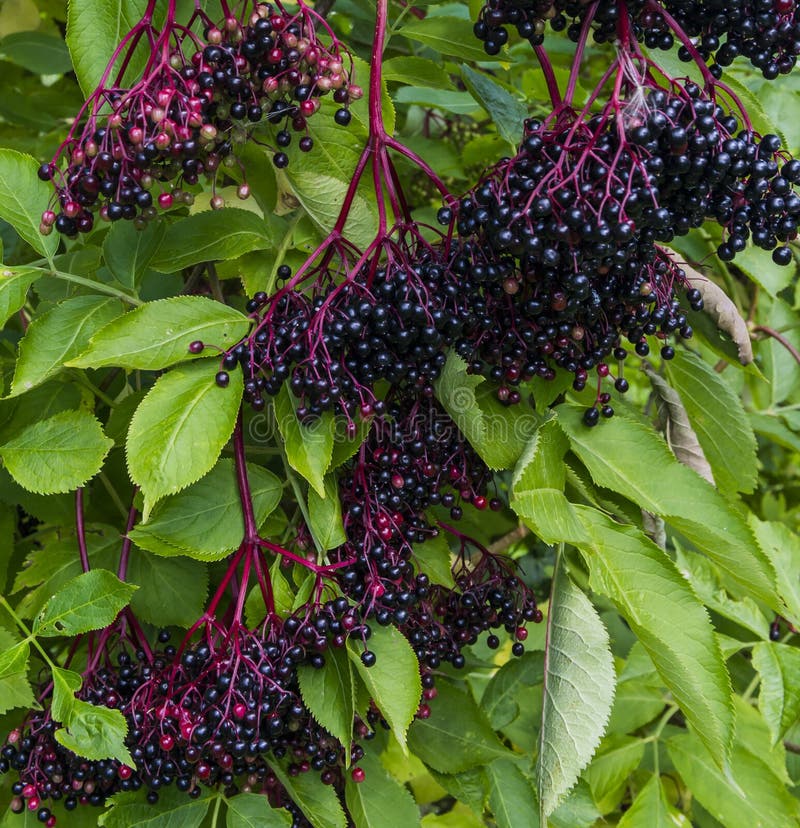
[
  {"x": 158, "y": 334},
  {"x": 778, "y": 665},
  {"x": 502, "y": 696},
  {"x": 678, "y": 432},
  {"x": 650, "y": 594},
  {"x": 172, "y": 591},
  {"x": 329, "y": 694},
  {"x": 209, "y": 236},
  {"x": 205, "y": 520},
  {"x": 174, "y": 810},
  {"x": 621, "y": 456},
  {"x": 319, "y": 802},
  {"x": 498, "y": 433},
  {"x": 457, "y": 736},
  {"x": 380, "y": 801},
  {"x": 749, "y": 796},
  {"x": 93, "y": 32},
  {"x": 15, "y": 689},
  {"x": 719, "y": 420},
  {"x": 308, "y": 448},
  {"x": 14, "y": 284},
  {"x": 325, "y": 516},
  {"x": 434, "y": 559},
  {"x": 23, "y": 199},
  {"x": 505, "y": 110},
  {"x": 782, "y": 546},
  {"x": 58, "y": 454},
  {"x": 651, "y": 809},
  {"x": 512, "y": 798},
  {"x": 393, "y": 681},
  {"x": 579, "y": 682},
  {"x": 249, "y": 810},
  {"x": 127, "y": 250},
  {"x": 57, "y": 336},
  {"x": 180, "y": 428},
  {"x": 89, "y": 602},
  {"x": 608, "y": 775}
]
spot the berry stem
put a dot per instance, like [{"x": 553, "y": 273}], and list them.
[
  {"x": 122, "y": 569},
  {"x": 578, "y": 56},
  {"x": 549, "y": 75},
  {"x": 80, "y": 528},
  {"x": 242, "y": 481}
]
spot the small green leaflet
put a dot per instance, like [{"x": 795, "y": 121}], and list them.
[
  {"x": 57, "y": 336},
  {"x": 94, "y": 732},
  {"x": 15, "y": 690},
  {"x": 448, "y": 35},
  {"x": 782, "y": 546},
  {"x": 58, "y": 454},
  {"x": 329, "y": 693},
  {"x": 507, "y": 112},
  {"x": 318, "y": 802},
  {"x": 579, "y": 682},
  {"x": 172, "y": 591},
  {"x": 175, "y": 810},
  {"x": 249, "y": 810},
  {"x": 457, "y": 736},
  {"x": 180, "y": 428},
  {"x": 434, "y": 559},
  {"x": 505, "y": 691},
  {"x": 512, "y": 798},
  {"x": 778, "y": 665},
  {"x": 158, "y": 334},
  {"x": 14, "y": 284},
  {"x": 205, "y": 520},
  {"x": 617, "y": 758},
  {"x": 325, "y": 516},
  {"x": 208, "y": 236},
  {"x": 309, "y": 449},
  {"x": 38, "y": 52},
  {"x": 393, "y": 681},
  {"x": 651, "y": 809},
  {"x": 23, "y": 199},
  {"x": 89, "y": 602},
  {"x": 380, "y": 801},
  {"x": 127, "y": 250}
]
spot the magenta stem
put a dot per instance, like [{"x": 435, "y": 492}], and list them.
[
  {"x": 549, "y": 75},
  {"x": 242, "y": 481},
  {"x": 80, "y": 528},
  {"x": 122, "y": 569},
  {"x": 579, "y": 50}
]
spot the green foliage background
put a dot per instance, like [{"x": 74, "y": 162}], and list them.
[{"x": 652, "y": 696}]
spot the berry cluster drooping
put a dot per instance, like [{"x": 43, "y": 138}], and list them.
[{"x": 134, "y": 149}]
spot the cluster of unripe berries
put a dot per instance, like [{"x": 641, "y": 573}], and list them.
[
  {"x": 766, "y": 32},
  {"x": 185, "y": 117}
]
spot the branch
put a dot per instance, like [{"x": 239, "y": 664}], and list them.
[{"x": 509, "y": 539}]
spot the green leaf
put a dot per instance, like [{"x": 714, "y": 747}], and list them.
[
  {"x": 91, "y": 731},
  {"x": 617, "y": 758},
  {"x": 58, "y": 454},
  {"x": 15, "y": 689},
  {"x": 434, "y": 559},
  {"x": 393, "y": 681},
  {"x": 782, "y": 547},
  {"x": 749, "y": 796},
  {"x": 498, "y": 433},
  {"x": 448, "y": 36},
  {"x": 650, "y": 594},
  {"x": 158, "y": 334},
  {"x": 174, "y": 810},
  {"x": 329, "y": 694},
  {"x": 579, "y": 684},
  {"x": 318, "y": 802},
  {"x": 308, "y": 448},
  {"x": 651, "y": 809},
  {"x": 345, "y": 446},
  {"x": 778, "y": 665},
  {"x": 38, "y": 52},
  {"x": 636, "y": 703},
  {"x": 504, "y": 694},
  {"x": 205, "y": 521},
  {"x": 172, "y": 591},
  {"x": 506, "y": 111},
  {"x": 57, "y": 336},
  {"x": 321, "y": 195},
  {"x": 209, "y": 236},
  {"x": 23, "y": 199},
  {"x": 622, "y": 455},
  {"x": 457, "y": 736},
  {"x": 718, "y": 419},
  {"x": 512, "y": 798},
  {"x": 380, "y": 801},
  {"x": 325, "y": 516},
  {"x": 89, "y": 602},
  {"x": 416, "y": 71},
  {"x": 14, "y": 284},
  {"x": 94, "y": 29},
  {"x": 249, "y": 810},
  {"x": 180, "y": 428},
  {"x": 127, "y": 251}
]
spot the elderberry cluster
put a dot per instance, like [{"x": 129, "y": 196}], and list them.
[{"x": 183, "y": 119}]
